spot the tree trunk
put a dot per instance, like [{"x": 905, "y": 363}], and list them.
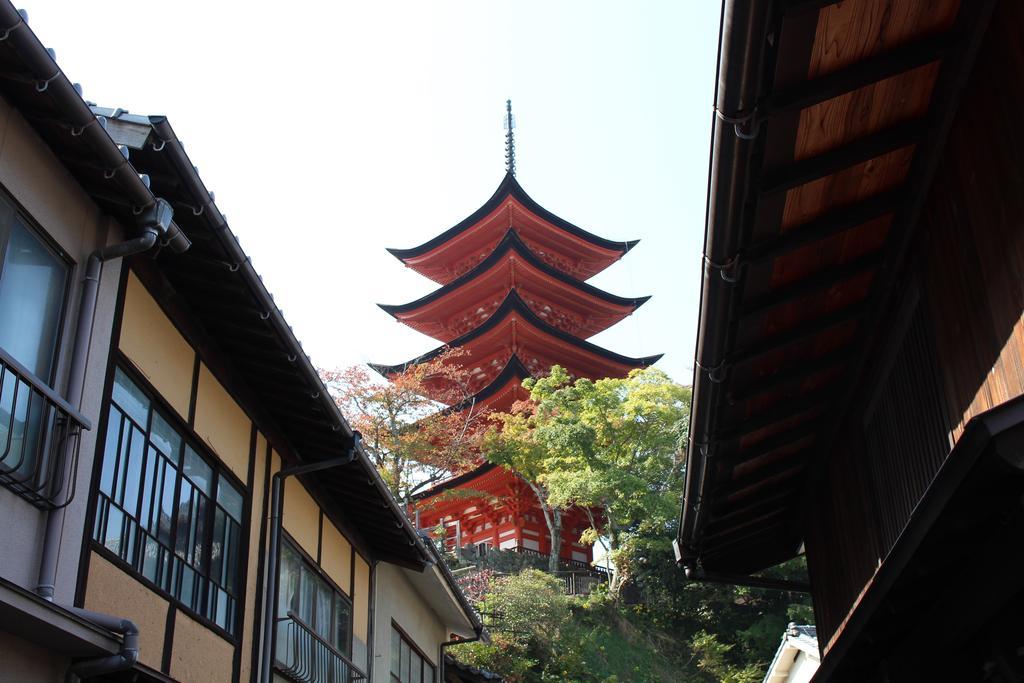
[
  {"x": 553, "y": 519},
  {"x": 556, "y": 540}
]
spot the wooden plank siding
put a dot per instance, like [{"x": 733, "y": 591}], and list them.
[{"x": 956, "y": 352}]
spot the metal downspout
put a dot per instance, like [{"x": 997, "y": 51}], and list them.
[
  {"x": 734, "y": 131},
  {"x": 124, "y": 659},
  {"x": 76, "y": 380},
  {"x": 276, "y": 504},
  {"x": 479, "y": 630},
  {"x": 157, "y": 224}
]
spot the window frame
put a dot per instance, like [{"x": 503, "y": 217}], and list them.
[
  {"x": 10, "y": 209},
  {"x": 404, "y": 636},
  {"x": 293, "y": 545},
  {"x": 219, "y": 470}
]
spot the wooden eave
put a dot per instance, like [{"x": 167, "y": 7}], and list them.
[
  {"x": 514, "y": 329},
  {"x": 852, "y": 110},
  {"x": 569, "y": 304},
  {"x": 564, "y": 246}
]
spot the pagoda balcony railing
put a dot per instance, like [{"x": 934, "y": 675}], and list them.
[
  {"x": 305, "y": 657},
  {"x": 567, "y": 565},
  {"x": 39, "y": 437},
  {"x": 582, "y": 582}
]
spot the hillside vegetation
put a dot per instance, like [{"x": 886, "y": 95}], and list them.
[{"x": 678, "y": 632}]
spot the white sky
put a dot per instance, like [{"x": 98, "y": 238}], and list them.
[{"x": 331, "y": 130}]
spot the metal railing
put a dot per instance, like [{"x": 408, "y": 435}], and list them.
[
  {"x": 305, "y": 657},
  {"x": 567, "y": 565},
  {"x": 581, "y": 583},
  {"x": 39, "y": 437}
]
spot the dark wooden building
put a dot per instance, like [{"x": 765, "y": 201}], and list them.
[{"x": 860, "y": 354}]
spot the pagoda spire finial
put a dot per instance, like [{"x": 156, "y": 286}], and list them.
[{"x": 510, "y": 141}]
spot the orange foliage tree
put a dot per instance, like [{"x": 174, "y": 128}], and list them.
[{"x": 419, "y": 426}]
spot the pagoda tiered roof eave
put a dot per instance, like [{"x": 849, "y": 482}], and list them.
[
  {"x": 513, "y": 303},
  {"x": 589, "y": 298},
  {"x": 605, "y": 251},
  {"x": 513, "y": 371}
]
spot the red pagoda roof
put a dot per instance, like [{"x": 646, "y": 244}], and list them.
[
  {"x": 504, "y": 390},
  {"x": 561, "y": 244},
  {"x": 456, "y": 481},
  {"x": 569, "y": 304},
  {"x": 514, "y": 329}
]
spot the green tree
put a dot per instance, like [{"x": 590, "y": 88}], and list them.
[
  {"x": 613, "y": 447},
  {"x": 527, "y": 615}
]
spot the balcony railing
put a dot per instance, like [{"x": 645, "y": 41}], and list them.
[
  {"x": 581, "y": 583},
  {"x": 305, "y": 657},
  {"x": 39, "y": 437},
  {"x": 567, "y": 565}
]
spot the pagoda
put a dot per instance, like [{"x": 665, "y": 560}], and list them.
[{"x": 513, "y": 297}]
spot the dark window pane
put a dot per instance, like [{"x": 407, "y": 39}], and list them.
[
  {"x": 165, "y": 437},
  {"x": 396, "y": 649},
  {"x": 415, "y": 668},
  {"x": 32, "y": 286},
  {"x": 110, "y": 451},
  {"x": 167, "y": 503},
  {"x": 198, "y": 472},
  {"x": 230, "y": 499},
  {"x": 130, "y": 398},
  {"x": 133, "y": 473},
  {"x": 342, "y": 621}
]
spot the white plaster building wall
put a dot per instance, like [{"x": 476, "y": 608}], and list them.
[
  {"x": 803, "y": 668},
  {"x": 37, "y": 181},
  {"x": 397, "y": 600}
]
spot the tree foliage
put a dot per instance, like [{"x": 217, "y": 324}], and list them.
[
  {"x": 614, "y": 446},
  {"x": 407, "y": 432}
]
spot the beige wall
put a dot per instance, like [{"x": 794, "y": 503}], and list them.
[
  {"x": 112, "y": 591},
  {"x": 360, "y": 613},
  {"x": 301, "y": 515},
  {"x": 199, "y": 656},
  {"x": 156, "y": 348},
  {"x": 397, "y": 600},
  {"x": 222, "y": 424},
  {"x": 336, "y": 557}
]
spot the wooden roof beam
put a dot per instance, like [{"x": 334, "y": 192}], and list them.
[
  {"x": 858, "y": 75},
  {"x": 791, "y": 375},
  {"x": 833, "y": 161},
  {"x": 779, "y": 411},
  {"x": 774, "y": 442},
  {"x": 798, "y": 333},
  {"x": 833, "y": 223},
  {"x": 813, "y": 284},
  {"x": 792, "y": 7}
]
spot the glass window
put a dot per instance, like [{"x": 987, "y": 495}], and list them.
[
  {"x": 408, "y": 665},
  {"x": 311, "y": 613},
  {"x": 165, "y": 510},
  {"x": 33, "y": 283}
]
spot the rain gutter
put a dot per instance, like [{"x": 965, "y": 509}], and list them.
[
  {"x": 742, "y": 44},
  {"x": 206, "y": 207}
]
